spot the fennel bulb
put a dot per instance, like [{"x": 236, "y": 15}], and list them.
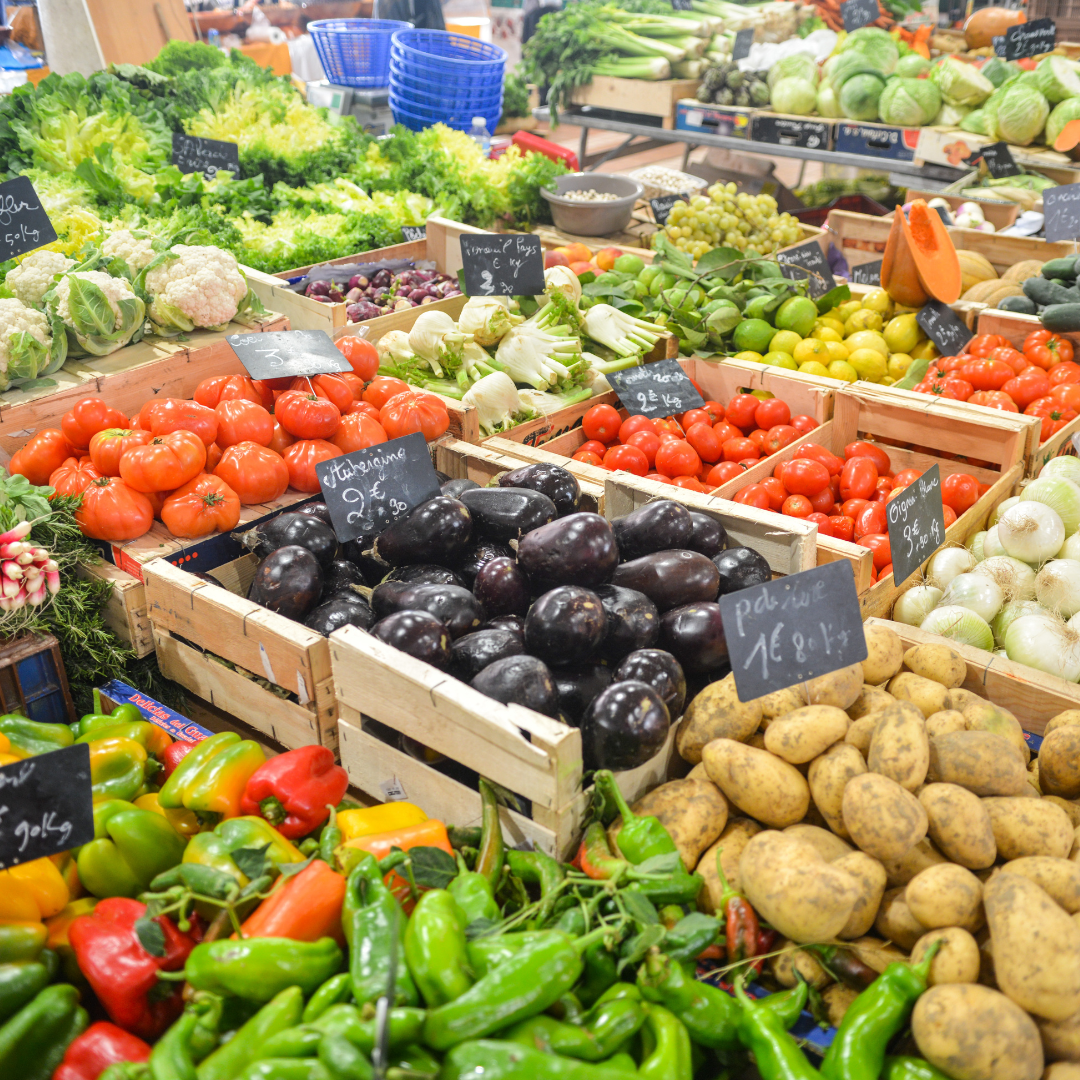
[
  {"x": 488, "y": 319},
  {"x": 496, "y": 401},
  {"x": 622, "y": 333},
  {"x": 436, "y": 339},
  {"x": 530, "y": 355}
]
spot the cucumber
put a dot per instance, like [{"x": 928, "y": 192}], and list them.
[
  {"x": 1022, "y": 305},
  {"x": 1062, "y": 318},
  {"x": 1061, "y": 268},
  {"x": 1045, "y": 292}
]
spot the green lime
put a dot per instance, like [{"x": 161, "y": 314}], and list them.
[
  {"x": 780, "y": 359},
  {"x": 755, "y": 309},
  {"x": 629, "y": 264},
  {"x": 753, "y": 335},
  {"x": 799, "y": 313}
]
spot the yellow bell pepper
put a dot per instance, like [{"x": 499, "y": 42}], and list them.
[
  {"x": 35, "y": 890},
  {"x": 8, "y": 754},
  {"x": 183, "y": 821},
  {"x": 366, "y": 821},
  {"x": 57, "y": 940}
]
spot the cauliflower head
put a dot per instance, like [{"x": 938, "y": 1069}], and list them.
[
  {"x": 33, "y": 277},
  {"x": 100, "y": 313},
  {"x": 28, "y": 346},
  {"x": 194, "y": 286},
  {"x": 136, "y": 251}
]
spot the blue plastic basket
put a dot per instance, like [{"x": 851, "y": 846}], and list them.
[
  {"x": 417, "y": 117},
  {"x": 439, "y": 57},
  {"x": 444, "y": 96},
  {"x": 355, "y": 52}
]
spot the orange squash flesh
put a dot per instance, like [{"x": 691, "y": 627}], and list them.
[
  {"x": 934, "y": 253},
  {"x": 1068, "y": 138},
  {"x": 899, "y": 274}
]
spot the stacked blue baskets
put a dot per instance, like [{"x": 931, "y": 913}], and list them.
[
  {"x": 355, "y": 52},
  {"x": 441, "y": 78}
]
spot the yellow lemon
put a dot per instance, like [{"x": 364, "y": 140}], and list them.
[
  {"x": 888, "y": 381},
  {"x": 837, "y": 350},
  {"x": 826, "y": 333},
  {"x": 831, "y": 323},
  {"x": 869, "y": 363},
  {"x": 902, "y": 334},
  {"x": 814, "y": 367},
  {"x": 898, "y": 365},
  {"x": 841, "y": 369},
  {"x": 899, "y": 309},
  {"x": 879, "y": 301},
  {"x": 784, "y": 341},
  {"x": 784, "y": 360},
  {"x": 746, "y": 354},
  {"x": 844, "y": 311},
  {"x": 863, "y": 320},
  {"x": 868, "y": 339},
  {"x": 925, "y": 350},
  {"x": 811, "y": 349}
]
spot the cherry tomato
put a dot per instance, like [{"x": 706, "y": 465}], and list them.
[
  {"x": 771, "y": 413},
  {"x": 648, "y": 442},
  {"x": 959, "y": 491},
  {"x": 634, "y": 423},
  {"x": 803, "y": 424},
  {"x": 601, "y": 422},
  {"x": 741, "y": 409},
  {"x": 725, "y": 431},
  {"x": 694, "y": 416},
  {"x": 858, "y": 478},
  {"x": 805, "y": 477},
  {"x": 723, "y": 472},
  {"x": 676, "y": 458},
  {"x": 797, "y": 506},
  {"x": 871, "y": 519},
  {"x": 741, "y": 450},
  {"x": 593, "y": 446},
  {"x": 703, "y": 439},
  {"x": 817, "y": 452},
  {"x": 627, "y": 459},
  {"x": 776, "y": 491},
  {"x": 753, "y": 495},
  {"x": 878, "y": 543},
  {"x": 587, "y": 457},
  {"x": 776, "y": 438}
]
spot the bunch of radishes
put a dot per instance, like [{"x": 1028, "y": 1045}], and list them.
[
  {"x": 27, "y": 574},
  {"x": 384, "y": 291}
]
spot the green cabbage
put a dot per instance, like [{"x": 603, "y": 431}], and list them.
[
  {"x": 911, "y": 66},
  {"x": 876, "y": 45},
  {"x": 975, "y": 122},
  {"x": 997, "y": 70},
  {"x": 951, "y": 115},
  {"x": 843, "y": 66},
  {"x": 960, "y": 83},
  {"x": 798, "y": 66},
  {"x": 909, "y": 102},
  {"x": 827, "y": 105},
  {"x": 859, "y": 97},
  {"x": 1056, "y": 78},
  {"x": 1018, "y": 116},
  {"x": 1062, "y": 114},
  {"x": 795, "y": 96}
]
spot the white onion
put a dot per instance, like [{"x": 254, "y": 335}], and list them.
[
  {"x": 1057, "y": 587},
  {"x": 1002, "y": 653},
  {"x": 1045, "y": 644},
  {"x": 1015, "y": 578},
  {"x": 1000, "y": 509},
  {"x": 1009, "y": 614},
  {"x": 946, "y": 563},
  {"x": 1071, "y": 548},
  {"x": 975, "y": 546},
  {"x": 976, "y": 592},
  {"x": 1031, "y": 532},
  {"x": 1067, "y": 466},
  {"x": 914, "y": 605},
  {"x": 991, "y": 544},
  {"x": 959, "y": 624},
  {"x": 1060, "y": 494}
]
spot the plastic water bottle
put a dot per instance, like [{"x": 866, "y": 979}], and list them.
[
  {"x": 213, "y": 38},
  {"x": 480, "y": 134}
]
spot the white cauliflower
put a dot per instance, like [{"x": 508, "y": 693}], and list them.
[
  {"x": 33, "y": 277},
  {"x": 101, "y": 313},
  {"x": 27, "y": 344},
  {"x": 195, "y": 286},
  {"x": 136, "y": 251}
]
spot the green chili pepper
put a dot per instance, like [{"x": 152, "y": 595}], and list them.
[
  {"x": 329, "y": 838},
  {"x": 601, "y": 971},
  {"x": 776, "y": 1053},
  {"x": 436, "y": 949},
  {"x": 910, "y": 1068},
  {"x": 34, "y": 1040},
  {"x": 173, "y": 1056},
  {"x": 334, "y": 991},
  {"x": 487, "y": 953},
  {"x": 685, "y": 945},
  {"x": 489, "y": 863},
  {"x": 600, "y": 1033},
  {"x": 231, "y": 1059},
  {"x": 540, "y": 869},
  {"x": 343, "y": 1061},
  {"x": 258, "y": 969},
  {"x": 487, "y": 1059},
  {"x": 669, "y": 1055},
  {"x": 20, "y": 982},
  {"x": 285, "y": 1069},
  {"x": 873, "y": 1018},
  {"x": 473, "y": 894},
  {"x": 641, "y": 837},
  {"x": 405, "y": 1026}
]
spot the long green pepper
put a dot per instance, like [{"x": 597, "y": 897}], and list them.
[
  {"x": 776, "y": 1053},
  {"x": 436, "y": 950},
  {"x": 33, "y": 1042},
  {"x": 595, "y": 1037},
  {"x": 284, "y": 1011},
  {"x": 488, "y": 1059},
  {"x": 669, "y": 1056},
  {"x": 910, "y": 1068},
  {"x": 335, "y": 991}
]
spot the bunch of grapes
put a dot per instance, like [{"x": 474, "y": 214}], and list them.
[{"x": 724, "y": 218}]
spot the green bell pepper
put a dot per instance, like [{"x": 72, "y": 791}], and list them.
[
  {"x": 122, "y": 714},
  {"x": 258, "y": 969},
  {"x": 33, "y": 1042},
  {"x": 31, "y": 737},
  {"x": 118, "y": 768},
  {"x": 211, "y": 779}
]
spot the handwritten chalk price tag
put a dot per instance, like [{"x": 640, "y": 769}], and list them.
[
  {"x": 24, "y": 225},
  {"x": 807, "y": 262},
  {"x": 414, "y": 232},
  {"x": 999, "y": 161},
  {"x": 942, "y": 326},
  {"x": 280, "y": 353},
  {"x": 661, "y": 206},
  {"x": 206, "y": 156},
  {"x": 656, "y": 390},
  {"x": 507, "y": 265},
  {"x": 743, "y": 40},
  {"x": 367, "y": 490},
  {"x": 1030, "y": 39},
  {"x": 46, "y": 805},
  {"x": 916, "y": 522},
  {"x": 858, "y": 13},
  {"x": 1061, "y": 205},
  {"x": 793, "y": 629},
  {"x": 867, "y": 273}
]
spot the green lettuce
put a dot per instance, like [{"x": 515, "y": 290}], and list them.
[
  {"x": 795, "y": 96},
  {"x": 797, "y": 66},
  {"x": 876, "y": 45},
  {"x": 1018, "y": 115},
  {"x": 911, "y": 66}
]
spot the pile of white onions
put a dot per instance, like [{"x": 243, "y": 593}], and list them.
[{"x": 1013, "y": 587}]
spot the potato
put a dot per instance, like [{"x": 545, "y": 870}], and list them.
[
  {"x": 946, "y": 895},
  {"x": 757, "y": 782},
  {"x": 1029, "y": 827},
  {"x": 1074, "y": 851},
  {"x": 939, "y": 663},
  {"x": 959, "y": 824},
  {"x": 1061, "y": 1038},
  {"x": 1059, "y": 877},
  {"x": 982, "y": 762},
  {"x": 757, "y": 741},
  {"x": 782, "y": 701},
  {"x": 876, "y": 953},
  {"x": 794, "y": 889},
  {"x": 828, "y": 776},
  {"x": 971, "y": 1032},
  {"x": 870, "y": 699},
  {"x": 829, "y": 846},
  {"x": 885, "y": 654},
  {"x": 697, "y": 773},
  {"x": 838, "y": 999},
  {"x": 1036, "y": 947},
  {"x": 694, "y": 812},
  {"x": 883, "y": 819},
  {"x": 1068, "y": 718},
  {"x": 870, "y": 876},
  {"x": 957, "y": 698},
  {"x": 1062, "y": 1070},
  {"x": 986, "y": 716},
  {"x": 839, "y": 688},
  {"x": 861, "y": 732},
  {"x": 790, "y": 959},
  {"x": 923, "y": 854},
  {"x": 894, "y": 920},
  {"x": 1068, "y": 805},
  {"x": 899, "y": 748},
  {"x": 732, "y": 840},
  {"x": 956, "y": 961},
  {"x": 800, "y": 735},
  {"x": 716, "y": 713},
  {"x": 925, "y": 694},
  {"x": 945, "y": 721},
  {"x": 1059, "y": 762}
]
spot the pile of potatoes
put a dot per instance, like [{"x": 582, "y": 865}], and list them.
[{"x": 884, "y": 807}]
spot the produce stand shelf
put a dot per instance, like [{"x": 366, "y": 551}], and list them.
[{"x": 638, "y": 96}]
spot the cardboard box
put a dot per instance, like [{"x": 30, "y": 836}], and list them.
[
  {"x": 813, "y": 134},
  {"x": 728, "y": 120},
  {"x": 877, "y": 140}
]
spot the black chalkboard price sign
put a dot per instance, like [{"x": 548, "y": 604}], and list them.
[
  {"x": 1030, "y": 39},
  {"x": 682, "y": 5},
  {"x": 743, "y": 40},
  {"x": 793, "y": 629},
  {"x": 943, "y": 328},
  {"x": 807, "y": 262},
  {"x": 24, "y": 225},
  {"x": 1061, "y": 205},
  {"x": 414, "y": 232},
  {"x": 46, "y": 805},
  {"x": 508, "y": 265},
  {"x": 916, "y": 523},
  {"x": 367, "y": 490},
  {"x": 998, "y": 42},
  {"x": 280, "y": 353},
  {"x": 858, "y": 13},
  {"x": 661, "y": 206},
  {"x": 867, "y": 273},
  {"x": 656, "y": 390},
  {"x": 206, "y": 156},
  {"x": 999, "y": 161},
  {"x": 944, "y": 214}
]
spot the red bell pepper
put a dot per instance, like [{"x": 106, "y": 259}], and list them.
[
  {"x": 173, "y": 754},
  {"x": 295, "y": 790},
  {"x": 99, "y": 1046},
  {"x": 122, "y": 973}
]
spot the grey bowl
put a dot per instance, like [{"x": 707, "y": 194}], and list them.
[{"x": 593, "y": 218}]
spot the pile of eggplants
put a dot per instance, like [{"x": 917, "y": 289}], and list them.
[{"x": 514, "y": 590}]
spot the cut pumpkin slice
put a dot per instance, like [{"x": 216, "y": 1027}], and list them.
[
  {"x": 1068, "y": 138},
  {"x": 920, "y": 261},
  {"x": 899, "y": 274}
]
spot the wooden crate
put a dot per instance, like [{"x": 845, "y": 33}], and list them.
[
  {"x": 441, "y": 246},
  {"x": 637, "y": 96},
  {"x": 1000, "y": 214},
  {"x": 1032, "y": 696},
  {"x": 125, "y": 612},
  {"x": 126, "y": 379}
]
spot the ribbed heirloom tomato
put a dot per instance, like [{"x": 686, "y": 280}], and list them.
[
  {"x": 164, "y": 463},
  {"x": 362, "y": 355},
  {"x": 203, "y": 505},
  {"x": 332, "y": 387},
  {"x": 306, "y": 415},
  {"x": 243, "y": 421},
  {"x": 42, "y": 455},
  {"x": 175, "y": 414},
  {"x": 301, "y": 459},
  {"x": 72, "y": 477},
  {"x": 358, "y": 431},
  {"x": 113, "y": 511},
  {"x": 210, "y": 392},
  {"x": 382, "y": 388},
  {"x": 87, "y": 417},
  {"x": 254, "y": 472},
  {"x": 109, "y": 446},
  {"x": 414, "y": 411},
  {"x": 280, "y": 439}
]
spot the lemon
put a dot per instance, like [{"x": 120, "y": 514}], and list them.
[
  {"x": 832, "y": 323},
  {"x": 844, "y": 311},
  {"x": 925, "y": 350},
  {"x": 811, "y": 349},
  {"x": 868, "y": 339},
  {"x": 814, "y": 367},
  {"x": 902, "y": 334},
  {"x": 826, "y": 333},
  {"x": 778, "y": 359},
  {"x": 746, "y": 354},
  {"x": 869, "y": 363},
  {"x": 841, "y": 369},
  {"x": 899, "y": 309},
  {"x": 753, "y": 334},
  {"x": 863, "y": 320},
  {"x": 837, "y": 350},
  {"x": 898, "y": 365},
  {"x": 798, "y": 313},
  {"x": 888, "y": 381},
  {"x": 879, "y": 301},
  {"x": 785, "y": 341}
]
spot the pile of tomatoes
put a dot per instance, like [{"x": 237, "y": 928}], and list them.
[
  {"x": 846, "y": 497},
  {"x": 698, "y": 450},
  {"x": 1041, "y": 379},
  {"x": 193, "y": 464}
]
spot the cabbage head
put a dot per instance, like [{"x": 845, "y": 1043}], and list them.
[
  {"x": 911, "y": 66},
  {"x": 859, "y": 97},
  {"x": 843, "y": 66},
  {"x": 951, "y": 115},
  {"x": 997, "y": 70},
  {"x": 909, "y": 102},
  {"x": 1019, "y": 116},
  {"x": 1062, "y": 114},
  {"x": 975, "y": 122},
  {"x": 876, "y": 45},
  {"x": 797, "y": 66},
  {"x": 795, "y": 96},
  {"x": 960, "y": 83},
  {"x": 1057, "y": 79},
  {"x": 827, "y": 104}
]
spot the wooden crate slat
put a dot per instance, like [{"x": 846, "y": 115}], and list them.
[{"x": 125, "y": 612}]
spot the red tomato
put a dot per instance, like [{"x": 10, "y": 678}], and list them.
[
  {"x": 715, "y": 410},
  {"x": 757, "y": 437},
  {"x": 113, "y": 511},
  {"x": 955, "y": 389},
  {"x": 1064, "y": 373},
  {"x": 842, "y": 527},
  {"x": 741, "y": 410},
  {"x": 593, "y": 446},
  {"x": 658, "y": 477},
  {"x": 364, "y": 407},
  {"x": 86, "y": 418},
  {"x": 776, "y": 491},
  {"x": 204, "y": 505},
  {"x": 280, "y": 439},
  {"x": 871, "y": 519},
  {"x": 39, "y": 458},
  {"x": 210, "y": 392},
  {"x": 797, "y": 506},
  {"x": 72, "y": 476},
  {"x": 254, "y": 472},
  {"x": 984, "y": 344},
  {"x": 858, "y": 479},
  {"x": 1045, "y": 349},
  {"x": 241, "y": 420},
  {"x": 884, "y": 485},
  {"x": 164, "y": 463},
  {"x": 822, "y": 521},
  {"x": 601, "y": 422},
  {"x": 358, "y": 431},
  {"x": 803, "y": 424},
  {"x": 823, "y": 502},
  {"x": 362, "y": 356},
  {"x": 993, "y": 399},
  {"x": 1013, "y": 357},
  {"x": 949, "y": 515},
  {"x": 987, "y": 374},
  {"x": 741, "y": 450},
  {"x": 382, "y": 388},
  {"x": 355, "y": 385},
  {"x": 587, "y": 457},
  {"x": 677, "y": 459},
  {"x": 627, "y": 458},
  {"x": 648, "y": 442},
  {"x": 753, "y": 495},
  {"x": 834, "y": 487},
  {"x": 669, "y": 425},
  {"x": 1054, "y": 414},
  {"x": 723, "y": 472},
  {"x": 771, "y": 413},
  {"x": 776, "y": 438},
  {"x": 817, "y": 452},
  {"x": 691, "y": 417},
  {"x": 905, "y": 477},
  {"x": 301, "y": 459},
  {"x": 803, "y": 476},
  {"x": 959, "y": 491},
  {"x": 688, "y": 483},
  {"x": 703, "y": 439},
  {"x": 109, "y": 446},
  {"x": 414, "y": 411},
  {"x": 725, "y": 431},
  {"x": 307, "y": 416},
  {"x": 166, "y": 415},
  {"x": 878, "y": 543},
  {"x": 851, "y": 507},
  {"x": 1067, "y": 394},
  {"x": 637, "y": 422},
  {"x": 1028, "y": 386},
  {"x": 332, "y": 387}
]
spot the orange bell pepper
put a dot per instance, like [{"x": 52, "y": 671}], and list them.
[
  {"x": 307, "y": 907},
  {"x": 430, "y": 833}
]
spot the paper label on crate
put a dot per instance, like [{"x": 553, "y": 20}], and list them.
[
  {"x": 656, "y": 390},
  {"x": 793, "y": 629},
  {"x": 393, "y": 790},
  {"x": 46, "y": 805},
  {"x": 812, "y": 134},
  {"x": 24, "y": 225},
  {"x": 414, "y": 232},
  {"x": 264, "y": 659},
  {"x": 661, "y": 207},
  {"x": 206, "y": 156},
  {"x": 1061, "y": 207},
  {"x": 942, "y": 326},
  {"x": 858, "y": 13},
  {"x": 502, "y": 265},
  {"x": 999, "y": 160},
  {"x": 868, "y": 273},
  {"x": 743, "y": 40},
  {"x": 283, "y": 353},
  {"x": 177, "y": 725},
  {"x": 807, "y": 262},
  {"x": 370, "y": 489},
  {"x": 1030, "y": 39},
  {"x": 916, "y": 523}
]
